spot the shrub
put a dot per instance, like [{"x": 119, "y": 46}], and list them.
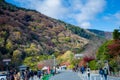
[
  {"x": 71, "y": 66},
  {"x": 93, "y": 65}
]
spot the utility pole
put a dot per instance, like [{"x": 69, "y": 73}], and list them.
[{"x": 54, "y": 63}]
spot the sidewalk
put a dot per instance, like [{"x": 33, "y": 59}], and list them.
[{"x": 96, "y": 77}]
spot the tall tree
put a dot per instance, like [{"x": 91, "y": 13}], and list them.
[
  {"x": 114, "y": 48},
  {"x": 116, "y": 34}
]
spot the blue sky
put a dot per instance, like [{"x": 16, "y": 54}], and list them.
[{"x": 92, "y": 14}]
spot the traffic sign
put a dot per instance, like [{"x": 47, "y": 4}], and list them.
[{"x": 6, "y": 60}]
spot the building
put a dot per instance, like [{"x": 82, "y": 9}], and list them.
[{"x": 79, "y": 56}]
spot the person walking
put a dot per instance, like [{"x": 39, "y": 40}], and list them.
[
  {"x": 31, "y": 75},
  {"x": 11, "y": 75},
  {"x": 105, "y": 73},
  {"x": 23, "y": 75},
  {"x": 88, "y": 73},
  {"x": 39, "y": 74},
  {"x": 101, "y": 72},
  {"x": 18, "y": 75},
  {"x": 82, "y": 69}
]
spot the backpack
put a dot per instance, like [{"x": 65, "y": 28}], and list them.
[
  {"x": 101, "y": 71},
  {"x": 105, "y": 71}
]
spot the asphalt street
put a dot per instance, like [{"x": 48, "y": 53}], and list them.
[
  {"x": 66, "y": 75},
  {"x": 70, "y": 75}
]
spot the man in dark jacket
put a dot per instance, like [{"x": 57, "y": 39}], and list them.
[{"x": 105, "y": 73}]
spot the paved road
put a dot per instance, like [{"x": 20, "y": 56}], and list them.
[
  {"x": 66, "y": 75},
  {"x": 69, "y": 75}
]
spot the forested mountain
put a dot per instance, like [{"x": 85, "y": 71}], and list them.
[
  {"x": 95, "y": 39},
  {"x": 25, "y": 33},
  {"x": 106, "y": 35},
  {"x": 31, "y": 32}
]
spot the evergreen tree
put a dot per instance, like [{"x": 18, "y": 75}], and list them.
[{"x": 116, "y": 34}]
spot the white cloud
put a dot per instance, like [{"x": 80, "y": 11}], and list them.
[
  {"x": 52, "y": 8},
  {"x": 90, "y": 10},
  {"x": 117, "y": 18},
  {"x": 85, "y": 25},
  {"x": 106, "y": 18},
  {"x": 81, "y": 11},
  {"x": 114, "y": 18},
  {"x": 117, "y": 15}
]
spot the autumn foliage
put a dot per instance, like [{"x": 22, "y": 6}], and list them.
[
  {"x": 82, "y": 63},
  {"x": 87, "y": 59},
  {"x": 114, "y": 48}
]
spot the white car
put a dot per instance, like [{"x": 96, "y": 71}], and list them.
[{"x": 3, "y": 77}]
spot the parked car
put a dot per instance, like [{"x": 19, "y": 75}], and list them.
[{"x": 3, "y": 77}]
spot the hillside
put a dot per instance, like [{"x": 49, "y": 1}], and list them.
[
  {"x": 29, "y": 32},
  {"x": 25, "y": 33},
  {"x": 95, "y": 39}
]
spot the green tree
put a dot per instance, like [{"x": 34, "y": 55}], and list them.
[
  {"x": 32, "y": 61},
  {"x": 116, "y": 34},
  {"x": 101, "y": 56},
  {"x": 93, "y": 65},
  {"x": 16, "y": 58},
  {"x": 1, "y": 42},
  {"x": 32, "y": 50},
  {"x": 9, "y": 45},
  {"x": 102, "y": 53}
]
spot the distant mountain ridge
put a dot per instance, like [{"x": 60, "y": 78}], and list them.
[
  {"x": 28, "y": 31},
  {"x": 107, "y": 35}
]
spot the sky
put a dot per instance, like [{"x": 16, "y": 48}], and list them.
[{"x": 89, "y": 14}]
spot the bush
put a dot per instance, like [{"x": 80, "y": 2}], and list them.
[
  {"x": 67, "y": 39},
  {"x": 70, "y": 66},
  {"x": 113, "y": 63},
  {"x": 93, "y": 65}
]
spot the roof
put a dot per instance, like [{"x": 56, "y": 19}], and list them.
[{"x": 79, "y": 55}]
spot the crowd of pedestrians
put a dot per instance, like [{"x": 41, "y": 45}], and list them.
[
  {"x": 38, "y": 75},
  {"x": 103, "y": 72},
  {"x": 28, "y": 74}
]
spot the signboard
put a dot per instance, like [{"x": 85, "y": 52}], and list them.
[
  {"x": 6, "y": 60},
  {"x": 23, "y": 67}
]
